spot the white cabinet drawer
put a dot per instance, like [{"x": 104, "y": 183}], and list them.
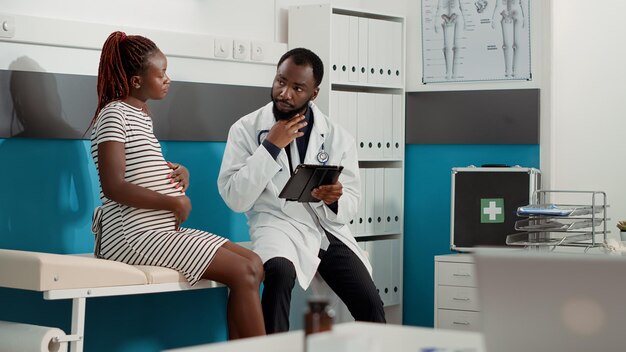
[
  {"x": 458, "y": 320},
  {"x": 453, "y": 297},
  {"x": 456, "y": 274}
]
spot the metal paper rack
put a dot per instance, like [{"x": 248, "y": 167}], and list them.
[{"x": 554, "y": 224}]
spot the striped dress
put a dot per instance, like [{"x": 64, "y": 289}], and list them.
[{"x": 145, "y": 236}]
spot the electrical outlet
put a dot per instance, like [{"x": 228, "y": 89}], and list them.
[
  {"x": 240, "y": 49},
  {"x": 257, "y": 52},
  {"x": 223, "y": 47},
  {"x": 7, "y": 26}
]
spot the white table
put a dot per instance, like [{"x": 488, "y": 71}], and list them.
[{"x": 388, "y": 337}]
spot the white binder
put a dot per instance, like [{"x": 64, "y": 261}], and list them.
[
  {"x": 387, "y": 126},
  {"x": 353, "y": 49},
  {"x": 386, "y": 52},
  {"x": 363, "y": 50},
  {"x": 379, "y": 116},
  {"x": 395, "y": 286},
  {"x": 349, "y": 113},
  {"x": 398, "y": 127},
  {"x": 370, "y": 200},
  {"x": 393, "y": 200},
  {"x": 397, "y": 40},
  {"x": 364, "y": 110},
  {"x": 334, "y": 49},
  {"x": 359, "y": 221},
  {"x": 379, "y": 201},
  {"x": 373, "y": 48},
  {"x": 343, "y": 31},
  {"x": 380, "y": 252}
]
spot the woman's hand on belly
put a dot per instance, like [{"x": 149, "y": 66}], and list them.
[
  {"x": 181, "y": 209},
  {"x": 179, "y": 176}
]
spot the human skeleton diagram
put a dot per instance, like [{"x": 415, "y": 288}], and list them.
[
  {"x": 481, "y": 5},
  {"x": 512, "y": 22},
  {"x": 450, "y": 18}
]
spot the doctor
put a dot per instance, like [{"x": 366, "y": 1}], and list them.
[{"x": 296, "y": 240}]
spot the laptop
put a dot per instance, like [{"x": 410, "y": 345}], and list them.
[{"x": 552, "y": 302}]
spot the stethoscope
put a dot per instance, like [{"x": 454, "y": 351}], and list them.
[
  {"x": 260, "y": 137},
  {"x": 322, "y": 156}
]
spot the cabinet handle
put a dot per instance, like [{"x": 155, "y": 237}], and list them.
[
  {"x": 464, "y": 299},
  {"x": 466, "y": 323},
  {"x": 461, "y": 275}
]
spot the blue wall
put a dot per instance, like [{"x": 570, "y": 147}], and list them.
[
  {"x": 50, "y": 188},
  {"x": 427, "y": 212}
]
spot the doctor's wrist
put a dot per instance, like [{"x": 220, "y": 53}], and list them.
[
  {"x": 271, "y": 148},
  {"x": 334, "y": 206}
]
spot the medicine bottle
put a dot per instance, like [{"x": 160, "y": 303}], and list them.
[{"x": 317, "y": 317}]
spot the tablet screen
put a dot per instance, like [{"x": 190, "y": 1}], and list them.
[{"x": 307, "y": 177}]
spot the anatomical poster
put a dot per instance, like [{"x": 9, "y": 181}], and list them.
[{"x": 475, "y": 40}]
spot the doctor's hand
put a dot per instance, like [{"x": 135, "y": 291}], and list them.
[
  {"x": 181, "y": 209},
  {"x": 328, "y": 193},
  {"x": 179, "y": 177},
  {"x": 285, "y": 131}
]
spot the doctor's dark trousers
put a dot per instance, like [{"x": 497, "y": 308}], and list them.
[{"x": 342, "y": 270}]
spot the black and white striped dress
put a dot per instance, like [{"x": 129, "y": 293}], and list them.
[{"x": 145, "y": 236}]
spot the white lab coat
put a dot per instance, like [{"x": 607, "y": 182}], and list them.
[{"x": 250, "y": 181}]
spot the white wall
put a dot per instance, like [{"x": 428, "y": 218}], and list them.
[
  {"x": 252, "y": 19},
  {"x": 588, "y": 110},
  {"x": 577, "y": 56},
  {"x": 66, "y": 36}
]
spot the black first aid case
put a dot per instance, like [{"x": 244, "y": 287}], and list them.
[{"x": 485, "y": 201}]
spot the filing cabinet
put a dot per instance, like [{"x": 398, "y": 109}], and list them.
[{"x": 456, "y": 293}]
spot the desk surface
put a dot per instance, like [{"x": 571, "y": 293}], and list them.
[{"x": 395, "y": 338}]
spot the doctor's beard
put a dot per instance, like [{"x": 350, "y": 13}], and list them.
[{"x": 280, "y": 115}]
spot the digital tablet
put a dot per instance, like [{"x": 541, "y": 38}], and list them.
[{"x": 307, "y": 177}]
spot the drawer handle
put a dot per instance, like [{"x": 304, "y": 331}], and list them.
[
  {"x": 461, "y": 275},
  {"x": 466, "y": 323},
  {"x": 464, "y": 299}
]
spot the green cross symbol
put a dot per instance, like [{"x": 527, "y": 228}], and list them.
[{"x": 491, "y": 210}]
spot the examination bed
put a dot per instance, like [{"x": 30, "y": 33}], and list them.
[{"x": 81, "y": 276}]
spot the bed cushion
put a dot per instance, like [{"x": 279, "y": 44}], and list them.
[
  {"x": 38, "y": 271},
  {"x": 154, "y": 274}
]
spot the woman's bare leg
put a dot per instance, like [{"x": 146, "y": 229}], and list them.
[
  {"x": 255, "y": 259},
  {"x": 243, "y": 275}
]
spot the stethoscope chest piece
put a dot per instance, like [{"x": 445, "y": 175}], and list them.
[{"x": 322, "y": 157}]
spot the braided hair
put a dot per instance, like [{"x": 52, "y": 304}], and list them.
[{"x": 122, "y": 57}]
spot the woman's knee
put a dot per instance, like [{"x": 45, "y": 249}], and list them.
[
  {"x": 257, "y": 268},
  {"x": 257, "y": 263},
  {"x": 246, "y": 274}
]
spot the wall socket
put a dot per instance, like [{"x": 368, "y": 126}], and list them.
[
  {"x": 240, "y": 49},
  {"x": 257, "y": 51},
  {"x": 223, "y": 47},
  {"x": 7, "y": 26}
]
